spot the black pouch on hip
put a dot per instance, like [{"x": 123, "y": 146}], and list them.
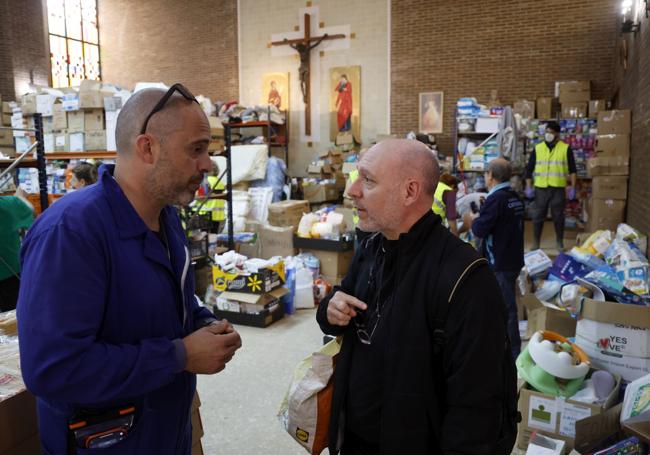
[{"x": 99, "y": 429}]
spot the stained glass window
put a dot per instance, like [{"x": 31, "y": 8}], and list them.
[{"x": 74, "y": 41}]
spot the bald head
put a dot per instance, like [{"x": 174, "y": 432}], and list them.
[
  {"x": 135, "y": 111},
  {"x": 500, "y": 169},
  {"x": 412, "y": 160}
]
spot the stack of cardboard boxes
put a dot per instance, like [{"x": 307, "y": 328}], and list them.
[
  {"x": 572, "y": 100},
  {"x": 610, "y": 170},
  {"x": 7, "y": 146},
  {"x": 327, "y": 170}
]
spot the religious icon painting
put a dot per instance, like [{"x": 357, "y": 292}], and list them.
[
  {"x": 345, "y": 105},
  {"x": 430, "y": 113},
  {"x": 275, "y": 90}
]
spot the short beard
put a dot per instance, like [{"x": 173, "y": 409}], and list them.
[{"x": 164, "y": 189}]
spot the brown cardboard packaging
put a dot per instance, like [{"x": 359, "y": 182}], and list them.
[
  {"x": 95, "y": 140},
  {"x": 605, "y": 214},
  {"x": 574, "y": 91},
  {"x": 554, "y": 416},
  {"x": 613, "y": 145},
  {"x": 595, "y": 106},
  {"x": 276, "y": 241},
  {"x": 609, "y": 187},
  {"x": 6, "y": 138},
  {"x": 287, "y": 213},
  {"x": 93, "y": 119},
  {"x": 18, "y": 422},
  {"x": 332, "y": 263},
  {"x": 615, "y": 122},
  {"x": 608, "y": 165},
  {"x": 321, "y": 193},
  {"x": 574, "y": 110},
  {"x": 544, "y": 316},
  {"x": 8, "y": 151},
  {"x": 547, "y": 108},
  {"x": 76, "y": 121}
]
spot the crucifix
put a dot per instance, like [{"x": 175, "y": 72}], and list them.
[{"x": 304, "y": 47}]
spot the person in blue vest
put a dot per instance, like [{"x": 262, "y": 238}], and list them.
[
  {"x": 500, "y": 224},
  {"x": 111, "y": 333},
  {"x": 548, "y": 167}
]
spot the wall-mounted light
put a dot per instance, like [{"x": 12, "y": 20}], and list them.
[{"x": 629, "y": 13}]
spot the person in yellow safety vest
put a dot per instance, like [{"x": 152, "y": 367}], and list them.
[
  {"x": 444, "y": 201},
  {"x": 217, "y": 207},
  {"x": 548, "y": 167},
  {"x": 354, "y": 175}
]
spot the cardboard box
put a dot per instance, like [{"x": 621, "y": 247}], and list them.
[
  {"x": 8, "y": 151},
  {"x": 615, "y": 122},
  {"x": 608, "y": 165},
  {"x": 524, "y": 108},
  {"x": 59, "y": 118},
  {"x": 616, "y": 337},
  {"x": 268, "y": 309},
  {"x": 95, "y": 140},
  {"x": 112, "y": 103},
  {"x": 91, "y": 96},
  {"x": 276, "y": 241},
  {"x": 609, "y": 187},
  {"x": 595, "y": 106},
  {"x": 321, "y": 193},
  {"x": 18, "y": 422},
  {"x": 48, "y": 143},
  {"x": 287, "y": 213},
  {"x": 6, "y": 138},
  {"x": 70, "y": 101},
  {"x": 547, "y": 108},
  {"x": 573, "y": 91},
  {"x": 574, "y": 110},
  {"x": 60, "y": 142},
  {"x": 592, "y": 431},
  {"x": 332, "y": 263},
  {"x": 487, "y": 125},
  {"x": 76, "y": 121},
  {"x": 605, "y": 214},
  {"x": 75, "y": 142},
  {"x": 556, "y": 417},
  {"x": 249, "y": 303},
  {"x": 6, "y": 119},
  {"x": 613, "y": 145},
  {"x": 111, "y": 126},
  {"x": 93, "y": 119},
  {"x": 546, "y": 316},
  {"x": 265, "y": 280}
]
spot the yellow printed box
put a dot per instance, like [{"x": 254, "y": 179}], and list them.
[{"x": 265, "y": 280}]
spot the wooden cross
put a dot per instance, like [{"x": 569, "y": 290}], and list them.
[{"x": 304, "y": 46}]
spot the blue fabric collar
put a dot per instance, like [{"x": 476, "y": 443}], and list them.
[{"x": 500, "y": 186}]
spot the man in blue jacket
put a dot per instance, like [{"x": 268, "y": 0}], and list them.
[
  {"x": 501, "y": 226},
  {"x": 111, "y": 333}
]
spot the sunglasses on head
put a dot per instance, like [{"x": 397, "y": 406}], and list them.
[{"x": 159, "y": 106}]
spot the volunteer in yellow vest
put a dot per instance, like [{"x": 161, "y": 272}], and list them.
[
  {"x": 549, "y": 165},
  {"x": 359, "y": 234},
  {"x": 444, "y": 201},
  {"x": 217, "y": 207}
]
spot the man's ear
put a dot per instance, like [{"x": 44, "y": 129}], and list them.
[
  {"x": 413, "y": 190},
  {"x": 144, "y": 144}
]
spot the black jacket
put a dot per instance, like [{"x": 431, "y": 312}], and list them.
[
  {"x": 501, "y": 225},
  {"x": 462, "y": 414}
]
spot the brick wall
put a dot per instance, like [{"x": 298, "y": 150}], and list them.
[
  {"x": 634, "y": 93},
  {"x": 469, "y": 47},
  {"x": 170, "y": 41},
  {"x": 24, "y": 52}
]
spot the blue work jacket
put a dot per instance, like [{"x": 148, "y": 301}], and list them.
[{"x": 102, "y": 310}]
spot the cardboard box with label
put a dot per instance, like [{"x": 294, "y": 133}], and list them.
[
  {"x": 287, "y": 213},
  {"x": 546, "y": 316},
  {"x": 95, "y": 140},
  {"x": 335, "y": 256},
  {"x": 608, "y": 165},
  {"x": 91, "y": 96},
  {"x": 556, "y": 417},
  {"x": 59, "y": 118},
  {"x": 321, "y": 193},
  {"x": 93, "y": 119},
  {"x": 573, "y": 91},
  {"x": 76, "y": 121},
  {"x": 595, "y": 106},
  {"x": 76, "y": 142},
  {"x": 276, "y": 241},
  {"x": 605, "y": 214},
  {"x": 547, "y": 108},
  {"x": 261, "y": 282},
  {"x": 613, "y": 145},
  {"x": 253, "y": 310},
  {"x": 609, "y": 187},
  {"x": 616, "y": 337},
  {"x": 574, "y": 110},
  {"x": 615, "y": 122}
]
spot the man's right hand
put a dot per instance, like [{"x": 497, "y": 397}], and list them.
[
  {"x": 211, "y": 347},
  {"x": 530, "y": 192},
  {"x": 342, "y": 308}
]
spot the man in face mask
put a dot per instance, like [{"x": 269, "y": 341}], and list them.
[{"x": 548, "y": 167}]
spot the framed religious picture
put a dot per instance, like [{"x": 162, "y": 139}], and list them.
[
  {"x": 345, "y": 104},
  {"x": 275, "y": 90},
  {"x": 430, "y": 113}
]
